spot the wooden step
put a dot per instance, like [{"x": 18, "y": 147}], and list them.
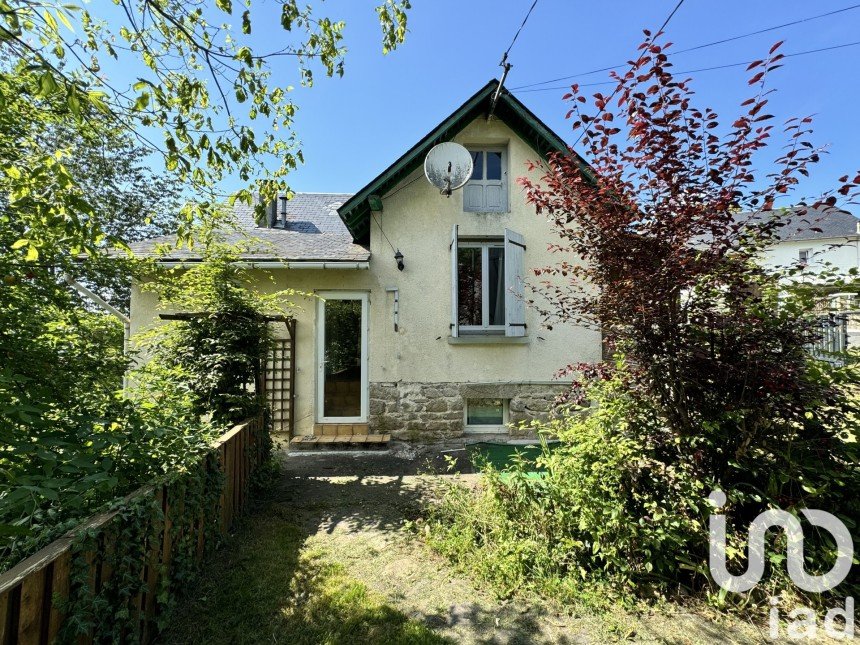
[
  {"x": 303, "y": 442},
  {"x": 341, "y": 441},
  {"x": 323, "y": 429}
]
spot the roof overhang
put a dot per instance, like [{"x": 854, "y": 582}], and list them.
[
  {"x": 322, "y": 265},
  {"x": 355, "y": 213}
]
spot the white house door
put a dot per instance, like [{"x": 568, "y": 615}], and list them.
[{"x": 342, "y": 378}]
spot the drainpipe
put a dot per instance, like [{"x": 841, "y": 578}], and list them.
[{"x": 100, "y": 302}]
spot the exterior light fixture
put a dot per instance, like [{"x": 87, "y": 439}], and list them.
[{"x": 398, "y": 257}]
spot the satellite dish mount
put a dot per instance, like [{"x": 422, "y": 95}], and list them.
[{"x": 448, "y": 166}]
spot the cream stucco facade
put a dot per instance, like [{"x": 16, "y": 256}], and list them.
[{"x": 405, "y": 364}]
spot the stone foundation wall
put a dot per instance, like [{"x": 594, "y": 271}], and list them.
[{"x": 423, "y": 411}]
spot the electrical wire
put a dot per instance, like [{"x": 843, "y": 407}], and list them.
[
  {"x": 669, "y": 17},
  {"x": 703, "y": 69},
  {"x": 407, "y": 185},
  {"x": 697, "y": 47},
  {"x": 383, "y": 232},
  {"x": 615, "y": 91},
  {"x": 516, "y": 35}
]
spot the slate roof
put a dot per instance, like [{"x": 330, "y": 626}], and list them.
[
  {"x": 313, "y": 232},
  {"x": 806, "y": 223}
]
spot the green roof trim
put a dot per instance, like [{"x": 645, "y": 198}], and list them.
[{"x": 355, "y": 213}]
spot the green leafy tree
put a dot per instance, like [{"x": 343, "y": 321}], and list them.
[
  {"x": 203, "y": 90},
  {"x": 205, "y": 106}
]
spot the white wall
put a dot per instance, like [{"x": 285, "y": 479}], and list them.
[
  {"x": 418, "y": 221},
  {"x": 843, "y": 254}
]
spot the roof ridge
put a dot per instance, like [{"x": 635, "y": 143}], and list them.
[{"x": 313, "y": 192}]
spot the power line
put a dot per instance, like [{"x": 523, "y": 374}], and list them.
[
  {"x": 703, "y": 69},
  {"x": 697, "y": 47},
  {"x": 516, "y": 35},
  {"x": 407, "y": 185},
  {"x": 669, "y": 17},
  {"x": 383, "y": 232},
  {"x": 505, "y": 65},
  {"x": 615, "y": 91}
]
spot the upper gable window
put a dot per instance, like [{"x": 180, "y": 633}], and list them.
[{"x": 486, "y": 191}]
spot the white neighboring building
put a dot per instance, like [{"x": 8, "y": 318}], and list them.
[
  {"x": 824, "y": 240},
  {"x": 816, "y": 239}
]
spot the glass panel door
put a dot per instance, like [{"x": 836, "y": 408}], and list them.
[{"x": 342, "y": 357}]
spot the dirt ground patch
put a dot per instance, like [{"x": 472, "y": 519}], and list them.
[{"x": 331, "y": 533}]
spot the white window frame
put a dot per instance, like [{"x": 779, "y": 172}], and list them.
[
  {"x": 505, "y": 206},
  {"x": 364, "y": 296},
  {"x": 486, "y": 429},
  {"x": 484, "y": 245}
]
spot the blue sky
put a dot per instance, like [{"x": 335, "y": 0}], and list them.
[{"x": 353, "y": 127}]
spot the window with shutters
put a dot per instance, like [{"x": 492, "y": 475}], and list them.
[
  {"x": 486, "y": 191},
  {"x": 481, "y": 286},
  {"x": 487, "y": 285}
]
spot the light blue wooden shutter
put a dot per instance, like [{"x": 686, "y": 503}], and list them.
[
  {"x": 473, "y": 196},
  {"x": 486, "y": 191},
  {"x": 494, "y": 188},
  {"x": 515, "y": 305},
  {"x": 473, "y": 192},
  {"x": 455, "y": 304},
  {"x": 494, "y": 196}
]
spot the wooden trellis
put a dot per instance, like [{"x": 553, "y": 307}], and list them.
[{"x": 280, "y": 377}]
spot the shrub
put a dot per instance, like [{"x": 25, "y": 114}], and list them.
[
  {"x": 659, "y": 243},
  {"x": 621, "y": 508},
  {"x": 77, "y": 442}
]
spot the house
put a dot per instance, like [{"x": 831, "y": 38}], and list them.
[
  {"x": 444, "y": 346},
  {"x": 824, "y": 245},
  {"x": 816, "y": 239}
]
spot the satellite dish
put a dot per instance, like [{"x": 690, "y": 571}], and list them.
[{"x": 448, "y": 166}]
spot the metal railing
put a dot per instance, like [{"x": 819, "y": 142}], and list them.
[{"x": 832, "y": 340}]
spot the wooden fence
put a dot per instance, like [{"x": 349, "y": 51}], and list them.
[{"x": 40, "y": 593}]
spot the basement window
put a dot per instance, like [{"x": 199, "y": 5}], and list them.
[{"x": 486, "y": 415}]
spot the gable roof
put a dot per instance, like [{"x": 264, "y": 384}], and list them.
[
  {"x": 312, "y": 232},
  {"x": 807, "y": 223},
  {"x": 355, "y": 213}
]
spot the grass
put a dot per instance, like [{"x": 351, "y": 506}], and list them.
[
  {"x": 265, "y": 588},
  {"x": 326, "y": 557}
]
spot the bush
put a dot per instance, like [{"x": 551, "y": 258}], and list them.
[
  {"x": 74, "y": 442},
  {"x": 622, "y": 509}
]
